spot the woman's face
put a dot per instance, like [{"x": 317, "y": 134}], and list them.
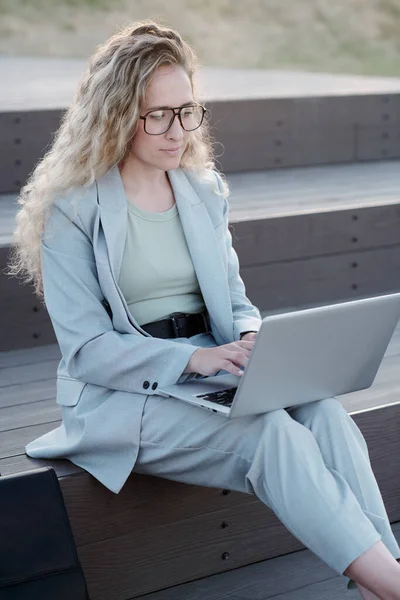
[{"x": 169, "y": 87}]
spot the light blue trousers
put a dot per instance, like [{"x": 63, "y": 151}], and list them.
[{"x": 308, "y": 464}]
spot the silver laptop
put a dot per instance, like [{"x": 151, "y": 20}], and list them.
[{"x": 300, "y": 357}]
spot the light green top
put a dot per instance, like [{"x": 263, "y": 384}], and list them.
[{"x": 157, "y": 276}]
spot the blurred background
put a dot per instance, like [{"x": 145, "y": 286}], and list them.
[{"x": 340, "y": 36}]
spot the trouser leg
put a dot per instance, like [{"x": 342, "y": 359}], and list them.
[
  {"x": 313, "y": 501},
  {"x": 344, "y": 450},
  {"x": 271, "y": 455}
]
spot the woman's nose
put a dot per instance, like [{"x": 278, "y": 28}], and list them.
[{"x": 175, "y": 132}]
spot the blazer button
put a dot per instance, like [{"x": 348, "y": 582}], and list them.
[
  {"x": 146, "y": 385},
  {"x": 154, "y": 386}
]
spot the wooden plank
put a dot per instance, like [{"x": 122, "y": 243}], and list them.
[
  {"x": 8, "y": 209},
  {"x": 252, "y": 141},
  {"x": 21, "y": 463},
  {"x": 27, "y": 333},
  {"x": 378, "y": 142},
  {"x": 24, "y": 301},
  {"x": 28, "y": 356},
  {"x": 24, "y": 322},
  {"x": 23, "y": 139},
  {"x": 255, "y": 581},
  {"x": 30, "y": 337},
  {"x": 249, "y": 130},
  {"x": 28, "y": 125},
  {"x": 28, "y": 373},
  {"x": 324, "y": 279},
  {"x": 292, "y": 238},
  {"x": 263, "y": 150},
  {"x": 263, "y": 580},
  {"x": 319, "y": 111},
  {"x": 332, "y": 589},
  {"x": 88, "y": 503},
  {"x": 32, "y": 413},
  {"x": 324, "y": 112},
  {"x": 13, "y": 442},
  {"x": 26, "y": 306},
  {"x": 379, "y": 109},
  {"x": 24, "y": 393},
  {"x": 264, "y": 194}
]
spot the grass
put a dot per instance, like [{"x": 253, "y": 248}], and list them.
[{"x": 353, "y": 36}]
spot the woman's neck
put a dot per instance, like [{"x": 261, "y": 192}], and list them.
[
  {"x": 146, "y": 188},
  {"x": 143, "y": 178}
]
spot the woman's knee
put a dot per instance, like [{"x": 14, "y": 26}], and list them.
[
  {"x": 329, "y": 410},
  {"x": 279, "y": 425},
  {"x": 279, "y": 418}
]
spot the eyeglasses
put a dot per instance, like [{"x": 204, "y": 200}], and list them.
[{"x": 157, "y": 122}]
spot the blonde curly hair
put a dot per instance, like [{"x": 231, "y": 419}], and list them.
[{"x": 97, "y": 130}]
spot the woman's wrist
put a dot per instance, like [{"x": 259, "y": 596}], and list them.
[{"x": 244, "y": 333}]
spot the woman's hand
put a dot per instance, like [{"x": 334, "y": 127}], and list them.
[{"x": 229, "y": 357}]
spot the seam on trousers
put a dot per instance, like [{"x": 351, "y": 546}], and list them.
[
  {"x": 142, "y": 445},
  {"x": 360, "y": 494},
  {"x": 356, "y": 478}
]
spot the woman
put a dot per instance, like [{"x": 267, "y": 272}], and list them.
[{"x": 125, "y": 222}]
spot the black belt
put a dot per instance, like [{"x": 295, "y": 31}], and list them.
[{"x": 179, "y": 325}]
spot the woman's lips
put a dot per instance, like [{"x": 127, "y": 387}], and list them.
[{"x": 172, "y": 151}]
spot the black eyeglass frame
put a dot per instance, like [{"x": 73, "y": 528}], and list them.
[{"x": 177, "y": 113}]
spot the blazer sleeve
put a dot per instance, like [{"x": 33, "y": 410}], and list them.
[
  {"x": 93, "y": 351},
  {"x": 246, "y": 316}
]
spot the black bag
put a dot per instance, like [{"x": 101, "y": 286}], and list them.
[{"x": 38, "y": 558}]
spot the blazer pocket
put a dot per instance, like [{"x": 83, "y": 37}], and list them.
[{"x": 69, "y": 391}]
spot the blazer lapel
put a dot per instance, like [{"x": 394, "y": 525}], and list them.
[
  {"x": 113, "y": 215},
  {"x": 199, "y": 233},
  {"x": 205, "y": 253}
]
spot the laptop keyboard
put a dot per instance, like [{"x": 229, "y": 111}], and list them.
[{"x": 224, "y": 397}]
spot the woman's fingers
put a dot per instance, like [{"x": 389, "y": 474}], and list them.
[
  {"x": 240, "y": 358},
  {"x": 230, "y": 367},
  {"x": 235, "y": 362}
]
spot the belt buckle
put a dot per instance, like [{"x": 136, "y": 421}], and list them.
[
  {"x": 206, "y": 321},
  {"x": 175, "y": 325}
]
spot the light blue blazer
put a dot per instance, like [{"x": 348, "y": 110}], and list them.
[{"x": 106, "y": 357}]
